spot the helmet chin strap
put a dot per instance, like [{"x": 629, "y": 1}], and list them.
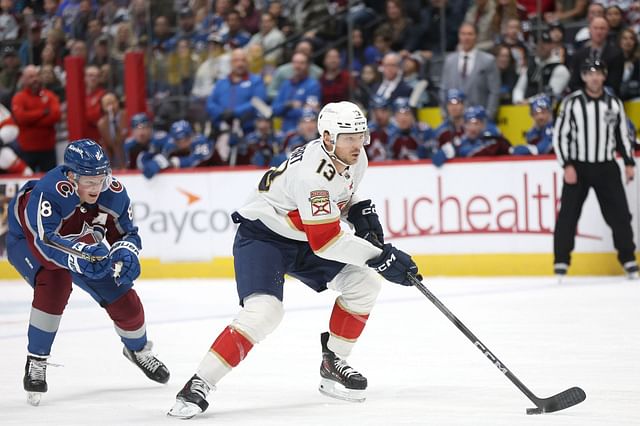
[{"x": 332, "y": 154}]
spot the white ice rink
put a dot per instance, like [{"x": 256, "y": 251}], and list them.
[{"x": 421, "y": 369}]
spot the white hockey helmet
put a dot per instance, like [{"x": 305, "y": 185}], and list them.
[{"x": 342, "y": 117}]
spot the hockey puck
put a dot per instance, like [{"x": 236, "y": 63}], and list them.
[{"x": 536, "y": 410}]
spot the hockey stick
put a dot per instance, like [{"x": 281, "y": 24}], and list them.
[{"x": 565, "y": 399}]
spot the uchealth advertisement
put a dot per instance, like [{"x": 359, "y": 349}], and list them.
[{"x": 478, "y": 207}]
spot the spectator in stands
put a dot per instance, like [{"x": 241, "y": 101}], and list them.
[
  {"x": 235, "y": 36},
  {"x": 472, "y": 71},
  {"x": 480, "y": 139},
  {"x": 380, "y": 128},
  {"x": 93, "y": 108},
  {"x": 531, "y": 7},
  {"x": 615, "y": 18},
  {"x": 305, "y": 131},
  {"x": 216, "y": 67},
  {"x": 36, "y": 111},
  {"x": 392, "y": 87},
  {"x": 505, "y": 11},
  {"x": 571, "y": 10},
  {"x": 511, "y": 36},
  {"x": 429, "y": 41},
  {"x": 49, "y": 18},
  {"x": 539, "y": 139},
  {"x": 49, "y": 58},
  {"x": 9, "y": 28},
  {"x": 67, "y": 12},
  {"x": 80, "y": 24},
  {"x": 560, "y": 48},
  {"x": 508, "y": 73},
  {"x": 9, "y": 74},
  {"x": 230, "y": 104},
  {"x": 249, "y": 15},
  {"x": 182, "y": 65},
  {"x": 452, "y": 128},
  {"x": 545, "y": 73},
  {"x": 630, "y": 87},
  {"x": 299, "y": 91},
  {"x": 51, "y": 82},
  {"x": 162, "y": 37},
  {"x": 400, "y": 26},
  {"x": 263, "y": 144},
  {"x": 79, "y": 49},
  {"x": 143, "y": 141},
  {"x": 30, "y": 51},
  {"x": 599, "y": 48},
  {"x": 421, "y": 92},
  {"x": 277, "y": 11},
  {"x": 381, "y": 46},
  {"x": 113, "y": 129},
  {"x": 123, "y": 41},
  {"x": 187, "y": 31},
  {"x": 270, "y": 38},
  {"x": 100, "y": 55},
  {"x": 335, "y": 81},
  {"x": 358, "y": 58},
  {"x": 480, "y": 16},
  {"x": 285, "y": 72},
  {"x": 365, "y": 85},
  {"x": 595, "y": 10},
  {"x": 410, "y": 139}
]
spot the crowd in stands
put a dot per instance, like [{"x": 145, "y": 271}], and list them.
[{"x": 241, "y": 82}]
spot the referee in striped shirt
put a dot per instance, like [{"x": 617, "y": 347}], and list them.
[{"x": 590, "y": 128}]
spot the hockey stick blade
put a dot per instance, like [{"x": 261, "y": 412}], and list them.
[{"x": 558, "y": 402}]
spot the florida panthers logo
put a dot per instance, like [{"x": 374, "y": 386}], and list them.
[
  {"x": 116, "y": 186},
  {"x": 65, "y": 188}
]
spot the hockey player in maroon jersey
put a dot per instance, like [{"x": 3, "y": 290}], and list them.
[{"x": 75, "y": 225}]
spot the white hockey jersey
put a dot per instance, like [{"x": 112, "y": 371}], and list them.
[{"x": 305, "y": 198}]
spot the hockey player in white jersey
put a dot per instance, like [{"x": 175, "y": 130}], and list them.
[{"x": 291, "y": 226}]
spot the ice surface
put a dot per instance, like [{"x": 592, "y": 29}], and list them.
[{"x": 421, "y": 369}]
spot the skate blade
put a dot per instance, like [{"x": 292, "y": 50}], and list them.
[
  {"x": 33, "y": 398},
  {"x": 184, "y": 410},
  {"x": 338, "y": 391}
]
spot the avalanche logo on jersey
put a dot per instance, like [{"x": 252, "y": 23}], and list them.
[
  {"x": 65, "y": 188},
  {"x": 87, "y": 235},
  {"x": 320, "y": 204},
  {"x": 115, "y": 185}
]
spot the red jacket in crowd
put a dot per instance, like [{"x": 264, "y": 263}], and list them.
[{"x": 36, "y": 116}]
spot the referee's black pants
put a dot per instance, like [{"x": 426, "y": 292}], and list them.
[{"x": 605, "y": 179}]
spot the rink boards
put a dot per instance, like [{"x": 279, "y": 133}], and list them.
[{"x": 467, "y": 218}]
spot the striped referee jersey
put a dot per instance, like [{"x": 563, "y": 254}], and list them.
[{"x": 589, "y": 130}]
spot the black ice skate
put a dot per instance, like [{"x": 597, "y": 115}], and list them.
[
  {"x": 631, "y": 270},
  {"x": 35, "y": 378},
  {"x": 151, "y": 366},
  {"x": 339, "y": 379},
  {"x": 192, "y": 399}
]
